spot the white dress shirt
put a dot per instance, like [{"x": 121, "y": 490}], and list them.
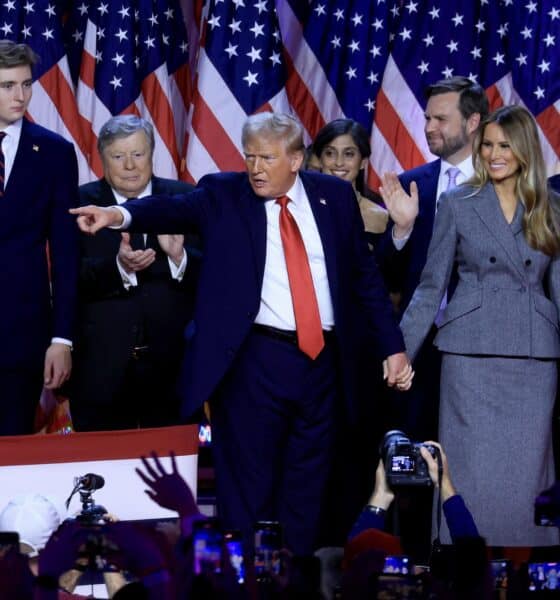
[
  {"x": 9, "y": 147},
  {"x": 276, "y": 309}
]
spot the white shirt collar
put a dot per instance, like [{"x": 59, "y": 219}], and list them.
[{"x": 122, "y": 199}]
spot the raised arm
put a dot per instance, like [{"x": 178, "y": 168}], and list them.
[{"x": 93, "y": 218}]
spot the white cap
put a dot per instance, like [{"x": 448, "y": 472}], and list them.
[{"x": 34, "y": 517}]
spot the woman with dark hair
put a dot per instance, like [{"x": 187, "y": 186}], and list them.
[
  {"x": 343, "y": 149},
  {"x": 498, "y": 333}
]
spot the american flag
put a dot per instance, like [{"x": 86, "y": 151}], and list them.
[
  {"x": 240, "y": 71},
  {"x": 197, "y": 75},
  {"x": 53, "y": 102},
  {"x": 131, "y": 57},
  {"x": 371, "y": 61}
]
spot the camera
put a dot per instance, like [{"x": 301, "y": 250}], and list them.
[{"x": 403, "y": 462}]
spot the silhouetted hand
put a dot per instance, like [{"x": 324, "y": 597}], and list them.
[{"x": 169, "y": 490}]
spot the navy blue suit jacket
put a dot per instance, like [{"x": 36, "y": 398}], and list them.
[
  {"x": 406, "y": 265},
  {"x": 231, "y": 219},
  {"x": 42, "y": 186}
]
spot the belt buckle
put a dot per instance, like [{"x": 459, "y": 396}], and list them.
[{"x": 139, "y": 351}]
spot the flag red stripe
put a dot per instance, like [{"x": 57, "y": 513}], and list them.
[
  {"x": 162, "y": 114},
  {"x": 214, "y": 137},
  {"x": 87, "y": 69},
  {"x": 396, "y": 134},
  {"x": 301, "y": 99},
  {"x": 63, "y": 98},
  {"x": 549, "y": 121}
]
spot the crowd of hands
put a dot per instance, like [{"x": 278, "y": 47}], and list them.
[{"x": 159, "y": 561}]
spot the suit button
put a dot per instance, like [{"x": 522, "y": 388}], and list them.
[
  {"x": 250, "y": 315},
  {"x": 230, "y": 352},
  {"x": 492, "y": 259},
  {"x": 523, "y": 289},
  {"x": 528, "y": 262}
]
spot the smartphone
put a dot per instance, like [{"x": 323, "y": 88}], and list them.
[
  {"x": 544, "y": 576},
  {"x": 9, "y": 540},
  {"x": 399, "y": 586},
  {"x": 232, "y": 540},
  {"x": 501, "y": 573},
  {"x": 207, "y": 545},
  {"x": 399, "y": 565},
  {"x": 268, "y": 543}
]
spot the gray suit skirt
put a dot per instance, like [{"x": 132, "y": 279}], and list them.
[{"x": 496, "y": 429}]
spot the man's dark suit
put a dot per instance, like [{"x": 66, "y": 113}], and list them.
[
  {"x": 232, "y": 221},
  {"x": 42, "y": 186},
  {"x": 112, "y": 386},
  {"x": 554, "y": 182}
]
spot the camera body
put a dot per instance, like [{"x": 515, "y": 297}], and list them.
[{"x": 403, "y": 462}]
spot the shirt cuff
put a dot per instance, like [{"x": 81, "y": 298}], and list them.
[
  {"x": 125, "y": 215},
  {"x": 399, "y": 243},
  {"x": 128, "y": 279},
  {"x": 58, "y": 340},
  {"x": 178, "y": 272}
]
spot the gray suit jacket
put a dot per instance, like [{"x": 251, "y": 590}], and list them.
[{"x": 499, "y": 306}]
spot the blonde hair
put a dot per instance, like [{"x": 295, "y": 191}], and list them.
[{"x": 540, "y": 221}]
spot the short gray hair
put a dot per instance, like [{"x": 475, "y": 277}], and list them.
[
  {"x": 275, "y": 125},
  {"x": 121, "y": 127}
]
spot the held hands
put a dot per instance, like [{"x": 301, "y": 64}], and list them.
[
  {"x": 398, "y": 372},
  {"x": 58, "y": 365},
  {"x": 131, "y": 260},
  {"x": 93, "y": 218},
  {"x": 403, "y": 209}
]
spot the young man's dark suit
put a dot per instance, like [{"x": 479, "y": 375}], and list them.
[
  {"x": 415, "y": 411},
  {"x": 225, "y": 352},
  {"x": 113, "y": 386},
  {"x": 42, "y": 186}
]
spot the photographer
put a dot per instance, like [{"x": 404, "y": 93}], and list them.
[
  {"x": 459, "y": 571},
  {"x": 459, "y": 519}
]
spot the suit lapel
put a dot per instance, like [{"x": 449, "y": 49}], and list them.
[
  {"x": 323, "y": 218},
  {"x": 27, "y": 160},
  {"x": 489, "y": 211},
  {"x": 253, "y": 213}
]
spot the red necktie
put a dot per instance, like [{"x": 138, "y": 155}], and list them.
[
  {"x": 2, "y": 175},
  {"x": 306, "y": 309}
]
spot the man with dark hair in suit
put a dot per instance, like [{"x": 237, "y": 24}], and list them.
[
  {"x": 454, "y": 111},
  {"x": 136, "y": 296},
  {"x": 38, "y": 184},
  {"x": 286, "y": 268}
]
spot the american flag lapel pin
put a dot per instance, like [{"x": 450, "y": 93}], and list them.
[{"x": 35, "y": 148}]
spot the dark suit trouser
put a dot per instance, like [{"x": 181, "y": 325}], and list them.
[
  {"x": 21, "y": 391},
  {"x": 272, "y": 424},
  {"x": 145, "y": 397}
]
